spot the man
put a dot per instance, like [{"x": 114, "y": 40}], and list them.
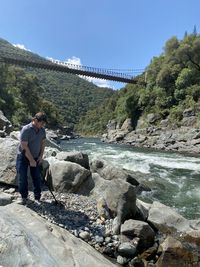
[{"x": 29, "y": 154}]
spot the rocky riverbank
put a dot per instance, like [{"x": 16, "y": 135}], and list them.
[
  {"x": 101, "y": 207},
  {"x": 155, "y": 134},
  {"x": 101, "y": 215},
  {"x": 78, "y": 214}
]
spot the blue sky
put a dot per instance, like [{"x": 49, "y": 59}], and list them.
[{"x": 112, "y": 34}]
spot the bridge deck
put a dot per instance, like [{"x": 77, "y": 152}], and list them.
[{"x": 46, "y": 64}]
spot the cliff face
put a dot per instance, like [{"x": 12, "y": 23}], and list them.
[{"x": 161, "y": 135}]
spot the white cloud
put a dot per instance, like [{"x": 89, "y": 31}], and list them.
[
  {"x": 74, "y": 60},
  {"x": 98, "y": 82},
  {"x": 21, "y": 46}
]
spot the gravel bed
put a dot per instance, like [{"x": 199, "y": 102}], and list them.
[{"x": 77, "y": 214}]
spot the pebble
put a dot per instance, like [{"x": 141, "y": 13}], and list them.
[
  {"x": 108, "y": 239},
  {"x": 121, "y": 260},
  {"x": 10, "y": 190},
  {"x": 99, "y": 239},
  {"x": 84, "y": 235}
]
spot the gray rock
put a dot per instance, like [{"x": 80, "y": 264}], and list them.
[
  {"x": 175, "y": 253},
  {"x": 120, "y": 198},
  {"x": 28, "y": 240},
  {"x": 109, "y": 172},
  {"x": 84, "y": 235},
  {"x": 168, "y": 221},
  {"x": 126, "y": 249},
  {"x": 5, "y": 199},
  {"x": 5, "y": 124},
  {"x": 66, "y": 176},
  {"x": 142, "y": 230},
  {"x": 51, "y": 143},
  {"x": 127, "y": 125},
  {"x": 152, "y": 117},
  {"x": 8, "y": 148},
  {"x": 99, "y": 239},
  {"x": 50, "y": 152},
  {"x": 111, "y": 125},
  {"x": 10, "y": 190},
  {"x": 103, "y": 209},
  {"x": 121, "y": 260},
  {"x": 143, "y": 208},
  {"x": 188, "y": 112},
  {"x": 76, "y": 157}
]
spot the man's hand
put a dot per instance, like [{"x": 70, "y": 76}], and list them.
[
  {"x": 33, "y": 163},
  {"x": 39, "y": 160}
]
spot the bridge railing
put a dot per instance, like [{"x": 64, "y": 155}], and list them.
[
  {"x": 97, "y": 70},
  {"x": 63, "y": 66}
]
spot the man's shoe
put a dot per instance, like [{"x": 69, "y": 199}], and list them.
[{"x": 22, "y": 201}]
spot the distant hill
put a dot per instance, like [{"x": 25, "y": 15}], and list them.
[{"x": 72, "y": 95}]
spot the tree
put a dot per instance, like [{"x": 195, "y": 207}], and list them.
[
  {"x": 195, "y": 30},
  {"x": 171, "y": 46},
  {"x": 187, "y": 77},
  {"x": 189, "y": 52},
  {"x": 7, "y": 103}
]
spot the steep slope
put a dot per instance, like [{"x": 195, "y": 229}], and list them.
[
  {"x": 72, "y": 95},
  {"x": 167, "y": 91}
]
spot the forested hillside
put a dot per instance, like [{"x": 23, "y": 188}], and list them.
[
  {"x": 64, "y": 97},
  {"x": 170, "y": 84}
]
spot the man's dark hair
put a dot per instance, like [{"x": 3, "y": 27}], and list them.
[{"x": 40, "y": 116}]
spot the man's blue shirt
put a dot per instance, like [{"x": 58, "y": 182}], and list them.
[{"x": 34, "y": 137}]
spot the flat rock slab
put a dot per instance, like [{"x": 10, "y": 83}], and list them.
[{"x": 26, "y": 239}]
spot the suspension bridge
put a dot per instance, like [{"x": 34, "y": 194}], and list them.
[{"x": 62, "y": 66}]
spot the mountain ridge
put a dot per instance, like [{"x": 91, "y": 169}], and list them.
[{"x": 73, "y": 96}]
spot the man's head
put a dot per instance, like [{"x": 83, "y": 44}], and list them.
[{"x": 40, "y": 119}]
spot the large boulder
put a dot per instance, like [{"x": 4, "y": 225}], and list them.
[
  {"x": 76, "y": 157},
  {"x": 168, "y": 221},
  {"x": 116, "y": 195},
  {"x": 5, "y": 125},
  {"x": 134, "y": 228},
  {"x": 175, "y": 253},
  {"x": 121, "y": 200},
  {"x": 127, "y": 125},
  {"x": 109, "y": 172},
  {"x": 66, "y": 176},
  {"x": 8, "y": 149},
  {"x": 26, "y": 239}
]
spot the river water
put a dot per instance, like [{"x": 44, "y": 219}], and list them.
[{"x": 174, "y": 178}]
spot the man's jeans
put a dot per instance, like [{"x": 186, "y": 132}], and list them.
[{"x": 22, "y": 165}]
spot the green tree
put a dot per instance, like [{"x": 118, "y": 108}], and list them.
[
  {"x": 187, "y": 77},
  {"x": 171, "y": 46}
]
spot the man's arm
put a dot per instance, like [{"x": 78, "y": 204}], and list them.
[
  {"x": 24, "y": 146},
  {"x": 42, "y": 150}
]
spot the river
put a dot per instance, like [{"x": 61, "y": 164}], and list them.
[{"x": 174, "y": 177}]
